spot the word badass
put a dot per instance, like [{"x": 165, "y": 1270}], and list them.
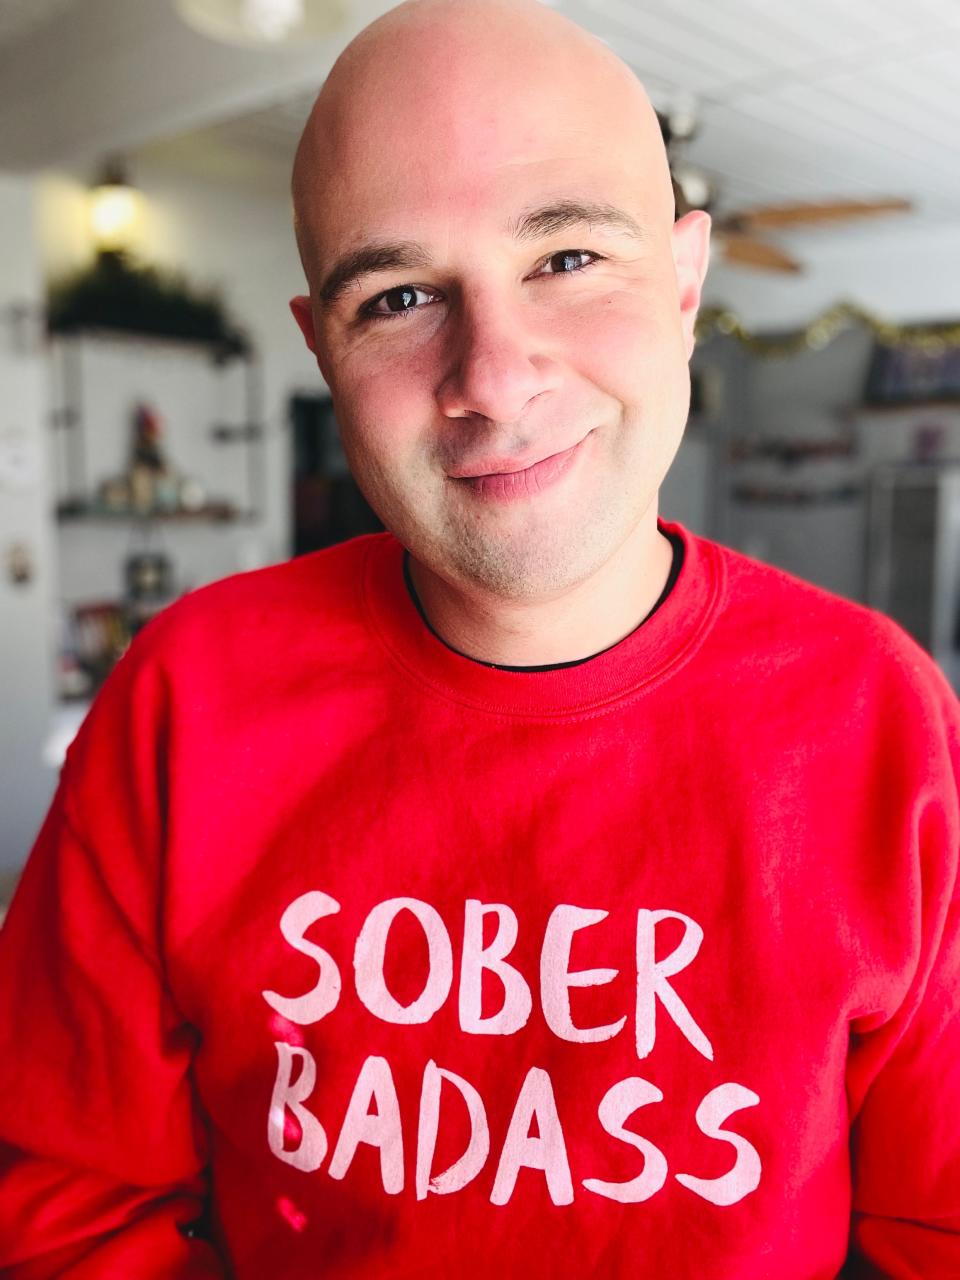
[{"x": 373, "y": 1117}]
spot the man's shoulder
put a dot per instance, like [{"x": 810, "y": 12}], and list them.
[
  {"x": 757, "y": 584},
  {"x": 235, "y": 646},
  {"x": 265, "y": 608},
  {"x": 790, "y": 622}
]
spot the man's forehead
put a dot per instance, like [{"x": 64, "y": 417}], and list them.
[
  {"x": 403, "y": 158},
  {"x": 516, "y": 204},
  {"x": 471, "y": 145},
  {"x": 441, "y": 194}
]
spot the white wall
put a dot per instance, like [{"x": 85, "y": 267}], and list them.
[
  {"x": 237, "y": 239},
  {"x": 26, "y": 615}
]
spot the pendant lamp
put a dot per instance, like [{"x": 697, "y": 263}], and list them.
[
  {"x": 263, "y": 24},
  {"x": 115, "y": 210}
]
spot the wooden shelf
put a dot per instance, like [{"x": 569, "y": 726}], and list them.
[
  {"x": 147, "y": 517},
  {"x": 905, "y": 406},
  {"x": 69, "y": 418},
  {"x": 212, "y": 348}
]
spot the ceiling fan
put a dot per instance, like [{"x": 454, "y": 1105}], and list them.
[{"x": 742, "y": 233}]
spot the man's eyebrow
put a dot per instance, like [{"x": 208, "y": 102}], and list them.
[
  {"x": 533, "y": 224},
  {"x": 368, "y": 260},
  {"x": 559, "y": 215}
]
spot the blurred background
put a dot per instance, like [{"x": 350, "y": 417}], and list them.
[{"x": 162, "y": 424}]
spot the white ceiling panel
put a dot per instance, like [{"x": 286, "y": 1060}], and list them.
[
  {"x": 832, "y": 27},
  {"x": 929, "y": 12},
  {"x": 19, "y": 17},
  {"x": 871, "y": 100},
  {"x": 792, "y": 162},
  {"x": 656, "y": 63},
  {"x": 764, "y": 46},
  {"x": 885, "y": 152},
  {"x": 920, "y": 80},
  {"x": 714, "y": 56}
]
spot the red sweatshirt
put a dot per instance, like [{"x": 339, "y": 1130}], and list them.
[{"x": 367, "y": 959}]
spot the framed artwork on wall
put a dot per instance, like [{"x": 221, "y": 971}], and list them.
[{"x": 913, "y": 375}]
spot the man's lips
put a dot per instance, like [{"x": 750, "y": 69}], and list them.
[
  {"x": 503, "y": 466},
  {"x": 515, "y": 480}
]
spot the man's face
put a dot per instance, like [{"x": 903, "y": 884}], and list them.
[{"x": 496, "y": 350}]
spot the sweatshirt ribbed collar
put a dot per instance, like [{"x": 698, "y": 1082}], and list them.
[{"x": 652, "y": 653}]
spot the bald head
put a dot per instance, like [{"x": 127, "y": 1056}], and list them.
[{"x": 455, "y": 78}]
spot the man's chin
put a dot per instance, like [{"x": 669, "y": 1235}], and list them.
[{"x": 519, "y": 573}]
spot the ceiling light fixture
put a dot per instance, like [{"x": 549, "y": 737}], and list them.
[
  {"x": 696, "y": 187},
  {"x": 276, "y": 24},
  {"x": 115, "y": 209}
]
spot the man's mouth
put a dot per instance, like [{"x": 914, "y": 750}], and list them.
[
  {"x": 507, "y": 478},
  {"x": 502, "y": 466}
]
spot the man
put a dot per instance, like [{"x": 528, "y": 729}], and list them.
[{"x": 535, "y": 888}]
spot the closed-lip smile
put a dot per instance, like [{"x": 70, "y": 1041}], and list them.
[
  {"x": 509, "y": 479},
  {"x": 502, "y": 466}
]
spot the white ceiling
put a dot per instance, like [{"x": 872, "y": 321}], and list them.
[
  {"x": 796, "y": 101},
  {"x": 89, "y": 77},
  {"x": 17, "y": 17},
  {"x": 807, "y": 100}
]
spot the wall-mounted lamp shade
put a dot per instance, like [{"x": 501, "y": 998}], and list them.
[
  {"x": 263, "y": 23},
  {"x": 114, "y": 213}
]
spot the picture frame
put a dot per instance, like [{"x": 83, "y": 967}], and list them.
[{"x": 908, "y": 374}]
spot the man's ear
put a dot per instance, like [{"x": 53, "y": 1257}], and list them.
[
  {"x": 691, "y": 256},
  {"x": 303, "y": 314}
]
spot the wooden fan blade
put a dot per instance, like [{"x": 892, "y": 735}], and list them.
[
  {"x": 747, "y": 252},
  {"x": 787, "y": 215}
]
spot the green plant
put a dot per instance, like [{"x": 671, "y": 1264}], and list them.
[{"x": 114, "y": 293}]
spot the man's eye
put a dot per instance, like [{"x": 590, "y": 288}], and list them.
[
  {"x": 399, "y": 303},
  {"x": 394, "y": 304},
  {"x": 567, "y": 256}
]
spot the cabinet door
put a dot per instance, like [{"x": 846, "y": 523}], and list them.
[{"x": 901, "y": 554}]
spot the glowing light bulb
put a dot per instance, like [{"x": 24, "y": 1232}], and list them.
[
  {"x": 274, "y": 24},
  {"x": 273, "y": 19},
  {"x": 114, "y": 213}
]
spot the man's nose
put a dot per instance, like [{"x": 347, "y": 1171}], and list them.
[{"x": 497, "y": 366}]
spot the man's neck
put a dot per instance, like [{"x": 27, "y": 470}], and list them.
[{"x": 590, "y": 618}]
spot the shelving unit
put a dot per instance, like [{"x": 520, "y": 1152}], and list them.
[
  {"x": 774, "y": 467},
  {"x": 72, "y": 413},
  {"x": 913, "y": 560},
  {"x": 204, "y": 515},
  {"x": 908, "y": 406},
  {"x": 119, "y": 565}
]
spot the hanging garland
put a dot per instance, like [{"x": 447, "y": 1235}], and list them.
[
  {"x": 932, "y": 338},
  {"x": 114, "y": 293}
]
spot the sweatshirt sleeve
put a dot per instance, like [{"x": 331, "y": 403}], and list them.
[
  {"x": 904, "y": 1072},
  {"x": 102, "y": 1152}
]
